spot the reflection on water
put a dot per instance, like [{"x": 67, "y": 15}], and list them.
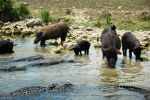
[{"x": 91, "y": 72}]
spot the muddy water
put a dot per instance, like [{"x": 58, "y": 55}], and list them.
[{"x": 87, "y": 76}]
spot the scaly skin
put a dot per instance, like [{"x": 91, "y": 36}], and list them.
[
  {"x": 139, "y": 89},
  {"x": 39, "y": 89}
]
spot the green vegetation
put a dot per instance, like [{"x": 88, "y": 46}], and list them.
[
  {"x": 22, "y": 11},
  {"x": 46, "y": 16},
  {"x": 7, "y": 11},
  {"x": 125, "y": 14},
  {"x": 145, "y": 15},
  {"x": 10, "y": 13}
]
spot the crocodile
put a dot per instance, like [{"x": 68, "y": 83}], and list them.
[
  {"x": 64, "y": 87},
  {"x": 140, "y": 89},
  {"x": 31, "y": 90},
  {"x": 12, "y": 68}
]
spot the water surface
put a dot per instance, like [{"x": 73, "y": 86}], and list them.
[{"x": 87, "y": 76}]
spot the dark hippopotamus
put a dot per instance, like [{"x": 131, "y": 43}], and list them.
[
  {"x": 6, "y": 47},
  {"x": 110, "y": 44},
  {"x": 54, "y": 31},
  {"x": 129, "y": 41},
  {"x": 82, "y": 45}
]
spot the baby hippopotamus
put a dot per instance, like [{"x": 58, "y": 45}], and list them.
[
  {"x": 82, "y": 45},
  {"x": 6, "y": 47}
]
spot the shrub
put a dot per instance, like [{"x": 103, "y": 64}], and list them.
[
  {"x": 107, "y": 15},
  {"x": 22, "y": 11},
  {"x": 6, "y": 10},
  {"x": 97, "y": 22},
  {"x": 46, "y": 16},
  {"x": 10, "y": 13},
  {"x": 145, "y": 15}
]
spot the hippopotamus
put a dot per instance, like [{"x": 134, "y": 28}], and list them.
[
  {"x": 6, "y": 47},
  {"x": 82, "y": 45},
  {"x": 54, "y": 31},
  {"x": 129, "y": 41},
  {"x": 110, "y": 45}
]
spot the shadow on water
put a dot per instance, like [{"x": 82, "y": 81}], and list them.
[{"x": 87, "y": 76}]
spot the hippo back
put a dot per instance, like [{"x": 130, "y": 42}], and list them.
[{"x": 129, "y": 41}]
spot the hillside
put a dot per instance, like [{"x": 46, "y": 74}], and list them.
[
  {"x": 86, "y": 11},
  {"x": 94, "y": 4}
]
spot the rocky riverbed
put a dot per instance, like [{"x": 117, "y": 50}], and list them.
[{"x": 77, "y": 33}]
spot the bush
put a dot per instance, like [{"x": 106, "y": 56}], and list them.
[
  {"x": 46, "y": 16},
  {"x": 97, "y": 22},
  {"x": 107, "y": 15},
  {"x": 145, "y": 15},
  {"x": 10, "y": 13},
  {"x": 22, "y": 11},
  {"x": 6, "y": 10}
]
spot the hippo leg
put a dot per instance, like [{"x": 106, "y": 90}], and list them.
[
  {"x": 124, "y": 51},
  {"x": 87, "y": 52},
  {"x": 42, "y": 43},
  {"x": 80, "y": 53},
  {"x": 104, "y": 54},
  {"x": 130, "y": 53}
]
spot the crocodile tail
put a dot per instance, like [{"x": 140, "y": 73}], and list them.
[{"x": 135, "y": 88}]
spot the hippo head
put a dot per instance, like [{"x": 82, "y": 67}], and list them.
[
  {"x": 76, "y": 49},
  {"x": 111, "y": 56},
  {"x": 38, "y": 37},
  {"x": 137, "y": 53}
]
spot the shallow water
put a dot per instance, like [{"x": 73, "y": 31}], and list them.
[{"x": 87, "y": 76}]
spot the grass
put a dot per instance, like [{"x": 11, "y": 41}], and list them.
[{"x": 125, "y": 13}]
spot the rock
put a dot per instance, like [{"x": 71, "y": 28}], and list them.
[
  {"x": 58, "y": 49},
  {"x": 34, "y": 22},
  {"x": 7, "y": 23},
  {"x": 89, "y": 29},
  {"x": 8, "y": 32},
  {"x": 68, "y": 11},
  {"x": 12, "y": 68},
  {"x": 97, "y": 45},
  {"x": 69, "y": 45},
  {"x": 1, "y": 24},
  {"x": 26, "y": 32},
  {"x": 16, "y": 31}
]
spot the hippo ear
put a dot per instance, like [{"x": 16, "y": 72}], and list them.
[{"x": 118, "y": 51}]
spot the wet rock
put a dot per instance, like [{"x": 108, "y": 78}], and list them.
[
  {"x": 52, "y": 62},
  {"x": 31, "y": 58},
  {"x": 12, "y": 68},
  {"x": 59, "y": 49},
  {"x": 34, "y": 22},
  {"x": 69, "y": 45}
]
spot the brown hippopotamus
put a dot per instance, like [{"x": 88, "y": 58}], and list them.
[{"x": 54, "y": 31}]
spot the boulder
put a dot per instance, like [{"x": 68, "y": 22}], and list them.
[{"x": 34, "y": 22}]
